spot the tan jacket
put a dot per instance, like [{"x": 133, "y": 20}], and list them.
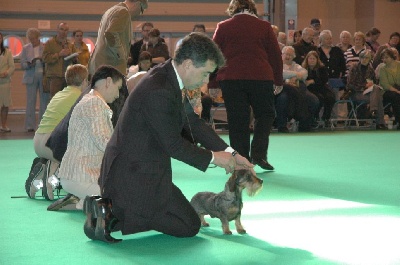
[
  {"x": 113, "y": 39},
  {"x": 56, "y": 65}
]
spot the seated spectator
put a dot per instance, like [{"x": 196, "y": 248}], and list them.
[
  {"x": 305, "y": 45},
  {"x": 294, "y": 101},
  {"x": 90, "y": 128},
  {"x": 282, "y": 39},
  {"x": 334, "y": 61},
  {"x": 394, "y": 40},
  {"x": 156, "y": 47},
  {"x": 389, "y": 79},
  {"x": 76, "y": 78},
  {"x": 136, "y": 47},
  {"x": 360, "y": 78},
  {"x": 196, "y": 28},
  {"x": 371, "y": 40},
  {"x": 331, "y": 56},
  {"x": 297, "y": 36},
  {"x": 143, "y": 65},
  {"x": 378, "y": 68},
  {"x": 345, "y": 41},
  {"x": 353, "y": 53},
  {"x": 315, "y": 24},
  {"x": 316, "y": 83}
]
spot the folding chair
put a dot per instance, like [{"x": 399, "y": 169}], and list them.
[
  {"x": 352, "y": 120},
  {"x": 218, "y": 119}
]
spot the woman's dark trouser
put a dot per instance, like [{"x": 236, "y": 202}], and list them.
[
  {"x": 327, "y": 98},
  {"x": 239, "y": 96}
]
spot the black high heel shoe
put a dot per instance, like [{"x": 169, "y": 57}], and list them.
[{"x": 105, "y": 220}]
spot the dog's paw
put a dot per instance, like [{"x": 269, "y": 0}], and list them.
[
  {"x": 228, "y": 232},
  {"x": 205, "y": 224},
  {"x": 241, "y": 231}
]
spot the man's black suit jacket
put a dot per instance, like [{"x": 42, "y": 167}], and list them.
[{"x": 136, "y": 170}]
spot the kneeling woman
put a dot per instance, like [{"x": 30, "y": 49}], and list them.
[{"x": 89, "y": 131}]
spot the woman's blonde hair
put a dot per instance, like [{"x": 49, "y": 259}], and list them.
[
  {"x": 237, "y": 6},
  {"x": 316, "y": 55}
]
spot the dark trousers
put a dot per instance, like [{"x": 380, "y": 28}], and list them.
[
  {"x": 180, "y": 219},
  {"x": 327, "y": 99},
  {"x": 394, "y": 99},
  {"x": 298, "y": 103},
  {"x": 239, "y": 96}
]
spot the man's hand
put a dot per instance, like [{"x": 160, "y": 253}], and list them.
[
  {"x": 225, "y": 160},
  {"x": 243, "y": 163}
]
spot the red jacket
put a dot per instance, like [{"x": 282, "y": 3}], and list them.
[{"x": 250, "y": 48}]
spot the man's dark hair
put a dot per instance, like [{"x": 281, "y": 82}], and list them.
[
  {"x": 201, "y": 26},
  {"x": 199, "y": 48},
  {"x": 149, "y": 24},
  {"x": 394, "y": 34},
  {"x": 105, "y": 71},
  {"x": 76, "y": 31}
]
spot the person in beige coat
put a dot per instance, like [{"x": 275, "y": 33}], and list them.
[
  {"x": 7, "y": 69},
  {"x": 115, "y": 35}
]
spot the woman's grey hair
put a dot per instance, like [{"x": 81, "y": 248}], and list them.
[
  {"x": 32, "y": 32},
  {"x": 324, "y": 33},
  {"x": 344, "y": 32},
  {"x": 284, "y": 49}
]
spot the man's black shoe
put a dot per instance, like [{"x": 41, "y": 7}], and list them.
[{"x": 263, "y": 164}]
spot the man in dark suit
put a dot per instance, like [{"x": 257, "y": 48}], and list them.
[{"x": 136, "y": 171}]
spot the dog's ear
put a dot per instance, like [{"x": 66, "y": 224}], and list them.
[{"x": 232, "y": 182}]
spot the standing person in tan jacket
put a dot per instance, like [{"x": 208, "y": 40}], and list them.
[
  {"x": 56, "y": 56},
  {"x": 115, "y": 35}
]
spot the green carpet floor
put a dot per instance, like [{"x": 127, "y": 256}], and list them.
[{"x": 334, "y": 198}]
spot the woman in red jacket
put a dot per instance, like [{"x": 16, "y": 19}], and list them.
[{"x": 253, "y": 67}]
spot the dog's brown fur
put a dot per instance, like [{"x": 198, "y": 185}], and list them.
[{"x": 227, "y": 205}]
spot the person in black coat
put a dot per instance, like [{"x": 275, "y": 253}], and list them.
[
  {"x": 136, "y": 173},
  {"x": 317, "y": 83}
]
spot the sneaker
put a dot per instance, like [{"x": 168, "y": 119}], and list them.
[
  {"x": 34, "y": 182},
  {"x": 50, "y": 183},
  {"x": 5, "y": 129},
  {"x": 69, "y": 199}
]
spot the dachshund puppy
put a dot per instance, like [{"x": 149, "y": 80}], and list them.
[{"x": 227, "y": 205}]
